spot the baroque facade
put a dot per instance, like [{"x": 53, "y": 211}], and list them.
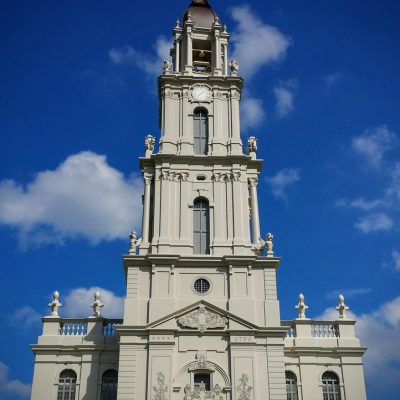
[{"x": 201, "y": 315}]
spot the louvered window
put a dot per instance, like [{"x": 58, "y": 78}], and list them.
[
  {"x": 200, "y": 131},
  {"x": 201, "y": 234}
]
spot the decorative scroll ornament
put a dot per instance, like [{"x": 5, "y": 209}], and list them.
[
  {"x": 202, "y": 320},
  {"x": 200, "y": 393},
  {"x": 161, "y": 389},
  {"x": 243, "y": 390}
]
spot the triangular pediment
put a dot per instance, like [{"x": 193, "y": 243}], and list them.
[{"x": 201, "y": 316}]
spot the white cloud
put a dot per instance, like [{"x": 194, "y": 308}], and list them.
[
  {"x": 149, "y": 63},
  {"x": 83, "y": 197},
  {"x": 282, "y": 180},
  {"x": 393, "y": 189},
  {"x": 26, "y": 317},
  {"x": 284, "y": 94},
  {"x": 396, "y": 259},
  {"x": 348, "y": 293},
  {"x": 251, "y": 112},
  {"x": 374, "y": 222},
  {"x": 374, "y": 143},
  {"x": 249, "y": 30},
  {"x": 379, "y": 331},
  {"x": 76, "y": 304},
  {"x": 361, "y": 203},
  {"x": 333, "y": 79},
  {"x": 12, "y": 387}
]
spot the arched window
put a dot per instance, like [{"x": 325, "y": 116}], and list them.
[
  {"x": 291, "y": 385},
  {"x": 201, "y": 230},
  {"x": 109, "y": 385},
  {"x": 67, "y": 385},
  {"x": 200, "y": 131},
  {"x": 330, "y": 386}
]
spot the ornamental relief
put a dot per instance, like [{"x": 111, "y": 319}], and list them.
[
  {"x": 202, "y": 319},
  {"x": 226, "y": 176},
  {"x": 174, "y": 176}
]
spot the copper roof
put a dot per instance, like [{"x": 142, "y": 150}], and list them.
[{"x": 202, "y": 14}]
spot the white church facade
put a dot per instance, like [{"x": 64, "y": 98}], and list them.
[{"x": 201, "y": 314}]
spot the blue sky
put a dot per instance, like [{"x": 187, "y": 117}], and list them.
[{"x": 78, "y": 95}]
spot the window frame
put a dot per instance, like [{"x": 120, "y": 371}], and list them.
[
  {"x": 66, "y": 390},
  {"x": 331, "y": 386},
  {"x": 200, "y": 142},
  {"x": 291, "y": 394},
  {"x": 201, "y": 234}
]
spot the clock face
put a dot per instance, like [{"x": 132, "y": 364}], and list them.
[{"x": 201, "y": 93}]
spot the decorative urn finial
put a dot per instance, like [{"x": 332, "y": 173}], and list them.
[
  {"x": 341, "y": 307},
  {"x": 55, "y": 304},
  {"x": 97, "y": 304},
  {"x": 301, "y": 307},
  {"x": 133, "y": 242},
  {"x": 149, "y": 143},
  {"x": 252, "y": 146},
  {"x": 269, "y": 245},
  {"x": 166, "y": 66},
  {"x": 234, "y": 67}
]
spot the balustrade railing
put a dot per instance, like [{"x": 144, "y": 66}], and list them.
[
  {"x": 324, "y": 329},
  {"x": 318, "y": 329},
  {"x": 79, "y": 327}
]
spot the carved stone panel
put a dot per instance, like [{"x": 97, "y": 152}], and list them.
[{"x": 202, "y": 320}]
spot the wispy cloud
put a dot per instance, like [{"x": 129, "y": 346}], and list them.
[
  {"x": 13, "y": 387},
  {"x": 361, "y": 203},
  {"x": 348, "y": 293},
  {"x": 379, "y": 331},
  {"x": 374, "y": 143},
  {"x": 83, "y": 197},
  {"x": 26, "y": 317},
  {"x": 251, "y": 29},
  {"x": 252, "y": 112},
  {"x": 333, "y": 79},
  {"x": 396, "y": 259},
  {"x": 150, "y": 63},
  {"x": 284, "y": 95},
  {"x": 374, "y": 222},
  {"x": 281, "y": 181}
]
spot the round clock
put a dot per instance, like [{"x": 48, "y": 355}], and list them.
[{"x": 201, "y": 93}]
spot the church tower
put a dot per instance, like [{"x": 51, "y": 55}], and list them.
[
  {"x": 201, "y": 301},
  {"x": 201, "y": 314}
]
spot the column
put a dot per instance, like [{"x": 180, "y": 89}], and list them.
[
  {"x": 255, "y": 221},
  {"x": 225, "y": 49},
  {"x": 217, "y": 52},
  {"x": 146, "y": 211},
  {"x": 236, "y": 143},
  {"x": 177, "y": 55},
  {"x": 238, "y": 241},
  {"x": 189, "y": 50}
]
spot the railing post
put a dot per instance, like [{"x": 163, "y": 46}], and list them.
[
  {"x": 302, "y": 328},
  {"x": 51, "y": 326},
  {"x": 95, "y": 326}
]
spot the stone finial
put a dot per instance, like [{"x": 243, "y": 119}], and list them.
[
  {"x": 55, "y": 304},
  {"x": 225, "y": 29},
  {"x": 189, "y": 18},
  {"x": 149, "y": 143},
  {"x": 269, "y": 245},
  {"x": 178, "y": 24},
  {"x": 234, "y": 67},
  {"x": 133, "y": 242},
  {"x": 341, "y": 307},
  {"x": 301, "y": 307},
  {"x": 252, "y": 146},
  {"x": 217, "y": 21},
  {"x": 166, "y": 66},
  {"x": 97, "y": 305}
]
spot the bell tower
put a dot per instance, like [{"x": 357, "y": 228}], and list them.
[
  {"x": 200, "y": 150},
  {"x": 198, "y": 286}
]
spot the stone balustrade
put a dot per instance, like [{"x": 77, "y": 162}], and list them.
[
  {"x": 53, "y": 326},
  {"x": 313, "y": 328}
]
